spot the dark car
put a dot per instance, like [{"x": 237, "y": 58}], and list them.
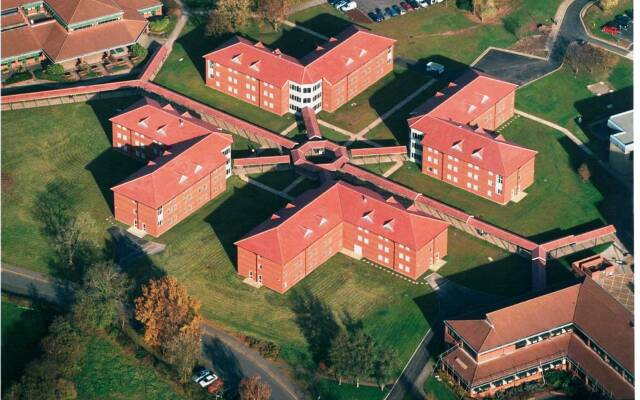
[
  {"x": 406, "y": 6},
  {"x": 390, "y": 12},
  {"x": 414, "y": 4},
  {"x": 398, "y": 10},
  {"x": 629, "y": 13},
  {"x": 375, "y": 17},
  {"x": 381, "y": 13}
]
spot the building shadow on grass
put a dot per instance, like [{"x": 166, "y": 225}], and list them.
[
  {"x": 316, "y": 322},
  {"x": 328, "y": 24},
  {"x": 241, "y": 211}
]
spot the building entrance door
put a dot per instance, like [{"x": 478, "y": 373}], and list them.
[{"x": 357, "y": 249}]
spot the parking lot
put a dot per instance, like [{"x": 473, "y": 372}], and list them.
[{"x": 367, "y": 6}]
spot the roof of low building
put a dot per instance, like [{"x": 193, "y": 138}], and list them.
[
  {"x": 74, "y": 11},
  {"x": 586, "y": 304},
  {"x": 332, "y": 60},
  {"x": 312, "y": 215},
  {"x": 623, "y": 121}
]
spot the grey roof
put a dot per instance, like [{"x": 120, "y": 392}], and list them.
[{"x": 624, "y": 121}]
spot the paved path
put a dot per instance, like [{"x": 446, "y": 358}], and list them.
[
  {"x": 289, "y": 128},
  {"x": 231, "y": 356},
  {"x": 393, "y": 169},
  {"x": 265, "y": 187},
  {"x": 293, "y": 184}
]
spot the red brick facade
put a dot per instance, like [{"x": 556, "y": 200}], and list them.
[
  {"x": 362, "y": 236},
  {"x": 452, "y": 140},
  {"x": 326, "y": 79}
]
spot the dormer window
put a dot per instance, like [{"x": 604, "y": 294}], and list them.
[
  {"x": 255, "y": 65},
  {"x": 349, "y": 61},
  {"x": 485, "y": 98},
  {"x": 389, "y": 225},
  {"x": 197, "y": 169},
  {"x": 457, "y": 145},
  {"x": 368, "y": 216},
  {"x": 143, "y": 122},
  {"x": 237, "y": 58},
  {"x": 307, "y": 232},
  {"x": 322, "y": 221},
  {"x": 363, "y": 52},
  {"x": 161, "y": 131},
  {"x": 183, "y": 179},
  {"x": 471, "y": 109},
  {"x": 477, "y": 154}
]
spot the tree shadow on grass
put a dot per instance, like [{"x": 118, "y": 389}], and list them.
[
  {"x": 225, "y": 363},
  {"x": 328, "y": 24},
  {"x": 316, "y": 321}
]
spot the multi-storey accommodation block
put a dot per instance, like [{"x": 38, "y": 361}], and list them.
[
  {"x": 581, "y": 329},
  {"x": 190, "y": 163},
  {"x": 325, "y": 79},
  {"x": 340, "y": 218},
  {"x": 451, "y": 139}
]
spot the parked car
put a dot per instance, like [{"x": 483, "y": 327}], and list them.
[
  {"x": 414, "y": 4},
  {"x": 611, "y": 30},
  {"x": 381, "y": 13},
  {"x": 204, "y": 377},
  {"x": 352, "y": 5},
  {"x": 399, "y": 10},
  {"x": 406, "y": 6},
  {"x": 389, "y": 11},
  {"x": 435, "y": 67},
  {"x": 423, "y": 3},
  {"x": 339, "y": 3},
  {"x": 375, "y": 17}
]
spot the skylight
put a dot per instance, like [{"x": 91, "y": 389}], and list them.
[{"x": 183, "y": 179}]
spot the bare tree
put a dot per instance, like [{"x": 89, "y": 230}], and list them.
[
  {"x": 254, "y": 388},
  {"x": 607, "y": 5},
  {"x": 182, "y": 351},
  {"x": 70, "y": 237}
]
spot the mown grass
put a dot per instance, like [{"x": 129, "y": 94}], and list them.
[
  {"x": 563, "y": 96},
  {"x": 276, "y": 179},
  {"x": 23, "y": 326},
  {"x": 110, "y": 371},
  {"x": 438, "y": 390},
  {"x": 558, "y": 202},
  {"x": 378, "y": 168},
  {"x": 330, "y": 390},
  {"x": 69, "y": 142}
]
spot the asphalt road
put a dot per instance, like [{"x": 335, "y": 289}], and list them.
[
  {"x": 233, "y": 360},
  {"x": 521, "y": 69}
]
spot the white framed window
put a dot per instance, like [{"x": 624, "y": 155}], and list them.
[
  {"x": 469, "y": 174},
  {"x": 379, "y": 246},
  {"x": 455, "y": 179},
  {"x": 455, "y": 168},
  {"x": 475, "y": 187},
  {"x": 359, "y": 238},
  {"x": 435, "y": 160},
  {"x": 489, "y": 193},
  {"x": 386, "y": 250},
  {"x": 366, "y": 240},
  {"x": 386, "y": 260},
  {"x": 401, "y": 256},
  {"x": 449, "y": 176},
  {"x": 407, "y": 258},
  {"x": 380, "y": 257},
  {"x": 468, "y": 185},
  {"x": 449, "y": 166}
]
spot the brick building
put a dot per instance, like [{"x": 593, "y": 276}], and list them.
[
  {"x": 581, "y": 329},
  {"x": 340, "y": 217},
  {"x": 452, "y": 139},
  {"x": 71, "y": 31},
  {"x": 325, "y": 79},
  {"x": 191, "y": 162}
]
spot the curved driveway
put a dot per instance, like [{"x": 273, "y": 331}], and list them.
[{"x": 521, "y": 69}]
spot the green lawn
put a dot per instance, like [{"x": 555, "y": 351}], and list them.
[
  {"x": 438, "y": 390},
  {"x": 330, "y": 390},
  {"x": 563, "y": 96},
  {"x": 70, "y": 142},
  {"x": 110, "y": 371},
  {"x": 557, "y": 203},
  {"x": 595, "y": 18},
  {"x": 306, "y": 184},
  {"x": 22, "y": 328},
  {"x": 379, "y": 168},
  {"x": 184, "y": 69},
  {"x": 360, "y": 111}
]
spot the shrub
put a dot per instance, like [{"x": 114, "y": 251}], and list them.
[
  {"x": 55, "y": 70},
  {"x": 584, "y": 172},
  {"x": 138, "y": 50},
  {"x": 266, "y": 348},
  {"x": 159, "y": 25}
]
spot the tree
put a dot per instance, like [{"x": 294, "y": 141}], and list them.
[
  {"x": 607, "y": 5},
  {"x": 273, "y": 11},
  {"x": 585, "y": 57},
  {"x": 383, "y": 365},
  {"x": 106, "y": 281},
  {"x": 362, "y": 355},
  {"x": 70, "y": 238},
  {"x": 55, "y": 69},
  {"x": 63, "y": 346},
  {"x": 139, "y": 51},
  {"x": 182, "y": 351},
  {"x": 228, "y": 16},
  {"x": 341, "y": 356},
  {"x": 165, "y": 308},
  {"x": 485, "y": 8},
  {"x": 254, "y": 388}
]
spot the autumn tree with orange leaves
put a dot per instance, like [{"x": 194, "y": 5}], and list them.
[{"x": 166, "y": 310}]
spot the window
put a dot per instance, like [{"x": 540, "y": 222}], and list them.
[
  {"x": 401, "y": 256},
  {"x": 489, "y": 193},
  {"x": 407, "y": 258},
  {"x": 379, "y": 246},
  {"x": 359, "y": 238},
  {"x": 366, "y": 240},
  {"x": 449, "y": 166},
  {"x": 386, "y": 249}
]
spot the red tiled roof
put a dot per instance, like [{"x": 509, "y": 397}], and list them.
[
  {"x": 333, "y": 60},
  {"x": 12, "y": 20},
  {"x": 163, "y": 124},
  {"x": 471, "y": 146},
  {"x": 73, "y": 11},
  {"x": 173, "y": 172},
  {"x": 9, "y": 4},
  {"x": 19, "y": 41},
  {"x": 467, "y": 98},
  {"x": 266, "y": 160},
  {"x": 503, "y": 234},
  {"x": 374, "y": 151},
  {"x": 444, "y": 208},
  {"x": 315, "y": 213}
]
